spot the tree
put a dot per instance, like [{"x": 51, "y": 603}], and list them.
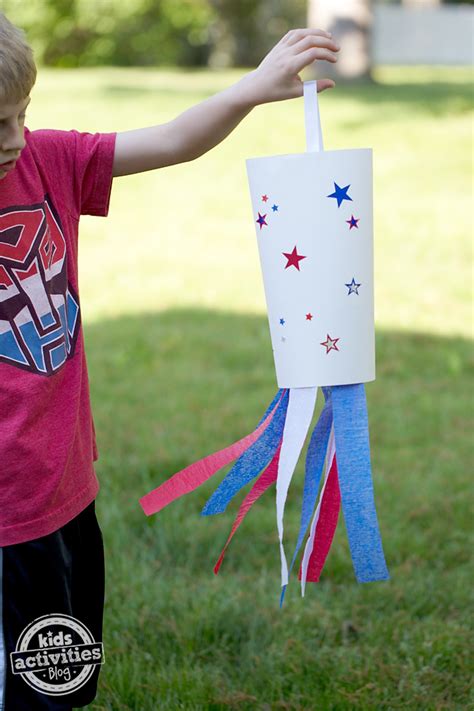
[
  {"x": 70, "y": 33},
  {"x": 350, "y": 21}
]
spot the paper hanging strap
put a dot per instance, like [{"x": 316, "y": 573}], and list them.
[{"x": 314, "y": 136}]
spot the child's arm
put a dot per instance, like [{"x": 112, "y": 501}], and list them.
[{"x": 203, "y": 126}]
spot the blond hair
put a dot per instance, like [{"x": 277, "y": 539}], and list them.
[{"x": 17, "y": 65}]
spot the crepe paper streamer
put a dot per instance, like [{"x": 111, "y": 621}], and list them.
[
  {"x": 314, "y": 466},
  {"x": 250, "y": 463},
  {"x": 310, "y": 542},
  {"x": 188, "y": 479},
  {"x": 276, "y": 400},
  {"x": 265, "y": 480},
  {"x": 326, "y": 525},
  {"x": 298, "y": 419},
  {"x": 351, "y": 431}
]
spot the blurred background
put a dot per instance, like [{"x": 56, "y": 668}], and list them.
[
  {"x": 180, "y": 359},
  {"x": 226, "y": 33}
]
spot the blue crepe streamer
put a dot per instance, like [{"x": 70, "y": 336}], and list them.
[
  {"x": 269, "y": 409},
  {"x": 351, "y": 431},
  {"x": 251, "y": 462}
]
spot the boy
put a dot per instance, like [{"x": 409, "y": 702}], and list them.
[{"x": 51, "y": 552}]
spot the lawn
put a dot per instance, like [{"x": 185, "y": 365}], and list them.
[{"x": 180, "y": 365}]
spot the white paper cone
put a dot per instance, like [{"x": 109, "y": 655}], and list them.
[{"x": 327, "y": 296}]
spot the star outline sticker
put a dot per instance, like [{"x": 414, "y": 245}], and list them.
[
  {"x": 353, "y": 287},
  {"x": 330, "y": 344}
]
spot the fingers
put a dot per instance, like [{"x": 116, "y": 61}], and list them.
[
  {"x": 315, "y": 41},
  {"x": 319, "y": 53},
  {"x": 323, "y": 84},
  {"x": 294, "y": 36},
  {"x": 310, "y": 48},
  {"x": 303, "y": 59}
]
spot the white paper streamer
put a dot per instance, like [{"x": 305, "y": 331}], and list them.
[
  {"x": 298, "y": 419},
  {"x": 310, "y": 542}
]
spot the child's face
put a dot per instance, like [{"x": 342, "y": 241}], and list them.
[{"x": 12, "y": 138}]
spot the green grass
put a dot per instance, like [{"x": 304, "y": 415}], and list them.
[{"x": 180, "y": 365}]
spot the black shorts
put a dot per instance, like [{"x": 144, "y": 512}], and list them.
[{"x": 61, "y": 573}]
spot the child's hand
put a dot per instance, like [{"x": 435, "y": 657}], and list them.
[
  {"x": 203, "y": 126},
  {"x": 276, "y": 77}
]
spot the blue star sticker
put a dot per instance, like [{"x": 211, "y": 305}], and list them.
[
  {"x": 353, "y": 287},
  {"x": 275, "y": 208},
  {"x": 340, "y": 194},
  {"x": 282, "y": 321}
]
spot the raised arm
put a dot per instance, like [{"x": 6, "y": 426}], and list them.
[{"x": 203, "y": 126}]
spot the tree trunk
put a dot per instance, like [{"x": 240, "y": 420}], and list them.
[{"x": 350, "y": 22}]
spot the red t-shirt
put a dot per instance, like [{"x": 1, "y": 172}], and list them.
[{"x": 47, "y": 443}]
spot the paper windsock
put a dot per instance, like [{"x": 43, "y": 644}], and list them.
[{"x": 313, "y": 220}]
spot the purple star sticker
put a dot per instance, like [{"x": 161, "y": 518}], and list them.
[{"x": 353, "y": 222}]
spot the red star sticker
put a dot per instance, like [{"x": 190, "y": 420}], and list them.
[
  {"x": 293, "y": 258},
  {"x": 264, "y": 198},
  {"x": 330, "y": 344},
  {"x": 309, "y": 317}
]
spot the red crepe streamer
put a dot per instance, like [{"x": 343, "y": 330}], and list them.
[
  {"x": 325, "y": 527},
  {"x": 266, "y": 479},
  {"x": 188, "y": 479}
]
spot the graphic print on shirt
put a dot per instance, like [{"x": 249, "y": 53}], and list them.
[{"x": 39, "y": 310}]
